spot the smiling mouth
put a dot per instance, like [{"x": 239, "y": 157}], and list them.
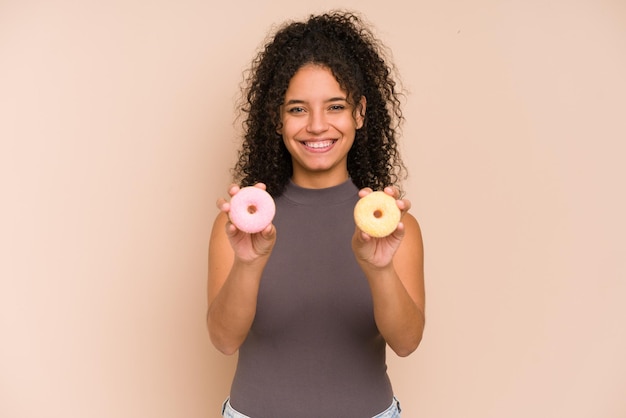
[{"x": 319, "y": 145}]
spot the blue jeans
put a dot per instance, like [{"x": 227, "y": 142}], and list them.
[{"x": 392, "y": 412}]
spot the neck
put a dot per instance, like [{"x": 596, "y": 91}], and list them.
[{"x": 319, "y": 181}]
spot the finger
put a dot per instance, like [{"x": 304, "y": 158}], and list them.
[
  {"x": 404, "y": 205},
  {"x": 399, "y": 232},
  {"x": 233, "y": 189},
  {"x": 360, "y": 235},
  {"x": 365, "y": 191},
  {"x": 261, "y": 186},
  {"x": 365, "y": 237},
  {"x": 392, "y": 191},
  {"x": 231, "y": 230},
  {"x": 223, "y": 205},
  {"x": 268, "y": 232}
]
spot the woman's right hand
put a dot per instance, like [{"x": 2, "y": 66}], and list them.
[{"x": 248, "y": 248}]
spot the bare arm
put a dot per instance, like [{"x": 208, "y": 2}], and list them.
[
  {"x": 394, "y": 269},
  {"x": 236, "y": 262}
]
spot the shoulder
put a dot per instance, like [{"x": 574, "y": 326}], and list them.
[
  {"x": 411, "y": 225},
  {"x": 219, "y": 223},
  {"x": 219, "y": 239},
  {"x": 412, "y": 244}
]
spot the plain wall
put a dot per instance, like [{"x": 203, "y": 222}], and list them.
[{"x": 117, "y": 134}]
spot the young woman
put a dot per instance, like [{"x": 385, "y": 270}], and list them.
[{"x": 311, "y": 302}]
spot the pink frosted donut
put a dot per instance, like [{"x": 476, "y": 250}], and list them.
[
  {"x": 251, "y": 209},
  {"x": 377, "y": 214}
]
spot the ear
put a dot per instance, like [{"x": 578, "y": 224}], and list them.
[{"x": 360, "y": 112}]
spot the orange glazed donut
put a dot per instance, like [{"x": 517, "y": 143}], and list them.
[
  {"x": 377, "y": 214},
  {"x": 251, "y": 209}
]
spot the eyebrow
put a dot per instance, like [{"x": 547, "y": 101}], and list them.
[{"x": 332, "y": 99}]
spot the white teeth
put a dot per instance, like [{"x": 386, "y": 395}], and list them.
[{"x": 319, "y": 144}]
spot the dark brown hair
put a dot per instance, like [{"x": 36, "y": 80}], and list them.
[{"x": 341, "y": 42}]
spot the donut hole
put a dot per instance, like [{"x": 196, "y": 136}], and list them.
[
  {"x": 252, "y": 209},
  {"x": 378, "y": 214}
]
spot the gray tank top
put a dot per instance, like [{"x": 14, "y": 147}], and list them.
[{"x": 314, "y": 349}]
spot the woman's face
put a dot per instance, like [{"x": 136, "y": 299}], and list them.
[{"x": 318, "y": 127}]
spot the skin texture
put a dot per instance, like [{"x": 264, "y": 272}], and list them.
[{"x": 318, "y": 126}]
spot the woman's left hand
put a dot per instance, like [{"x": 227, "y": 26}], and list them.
[{"x": 379, "y": 252}]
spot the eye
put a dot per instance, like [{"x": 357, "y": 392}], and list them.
[
  {"x": 295, "y": 110},
  {"x": 337, "y": 107}
]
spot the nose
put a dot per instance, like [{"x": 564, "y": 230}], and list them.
[{"x": 317, "y": 122}]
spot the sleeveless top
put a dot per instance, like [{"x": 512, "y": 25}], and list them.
[{"x": 314, "y": 349}]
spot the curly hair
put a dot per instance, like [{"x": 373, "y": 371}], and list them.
[{"x": 341, "y": 42}]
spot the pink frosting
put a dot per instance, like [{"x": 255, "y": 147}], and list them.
[{"x": 252, "y": 209}]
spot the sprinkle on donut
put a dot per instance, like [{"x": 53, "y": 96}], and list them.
[
  {"x": 377, "y": 214},
  {"x": 252, "y": 209}
]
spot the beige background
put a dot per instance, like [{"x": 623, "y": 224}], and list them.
[{"x": 116, "y": 127}]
